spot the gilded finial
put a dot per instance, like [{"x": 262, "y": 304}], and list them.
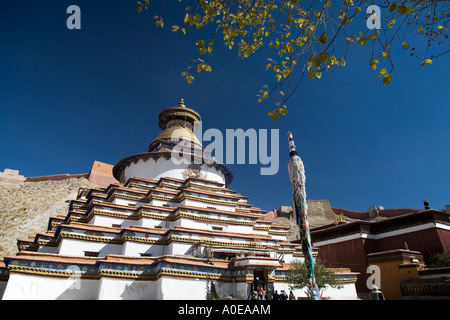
[
  {"x": 181, "y": 103},
  {"x": 292, "y": 149}
]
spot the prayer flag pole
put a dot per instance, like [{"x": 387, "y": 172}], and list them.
[{"x": 298, "y": 178}]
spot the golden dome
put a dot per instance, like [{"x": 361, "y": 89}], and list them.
[{"x": 177, "y": 133}]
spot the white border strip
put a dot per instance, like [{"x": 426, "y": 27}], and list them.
[{"x": 362, "y": 235}]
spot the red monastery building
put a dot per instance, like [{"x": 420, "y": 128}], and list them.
[{"x": 348, "y": 243}]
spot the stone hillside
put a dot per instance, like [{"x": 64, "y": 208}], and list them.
[
  {"x": 26, "y": 207},
  {"x": 319, "y": 213}
]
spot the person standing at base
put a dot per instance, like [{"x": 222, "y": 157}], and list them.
[
  {"x": 260, "y": 292},
  {"x": 276, "y": 296},
  {"x": 291, "y": 295}
]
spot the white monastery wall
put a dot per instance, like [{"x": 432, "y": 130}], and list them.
[
  {"x": 348, "y": 291},
  {"x": 147, "y": 222},
  {"x": 179, "y": 289},
  {"x": 124, "y": 202},
  {"x": 179, "y": 248},
  {"x": 212, "y": 226},
  {"x": 160, "y": 203},
  {"x": 73, "y": 247},
  {"x": 166, "y": 168},
  {"x": 245, "y": 229},
  {"x": 279, "y": 286},
  {"x": 106, "y": 221},
  {"x": 234, "y": 289},
  {"x": 122, "y": 289},
  {"x": 135, "y": 249},
  {"x": 153, "y": 223},
  {"x": 29, "y": 287},
  {"x": 260, "y": 232},
  {"x": 278, "y": 237},
  {"x": 201, "y": 204},
  {"x": 289, "y": 258}
]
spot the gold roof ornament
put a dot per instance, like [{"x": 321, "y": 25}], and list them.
[
  {"x": 178, "y": 124},
  {"x": 180, "y": 112},
  {"x": 181, "y": 103}
]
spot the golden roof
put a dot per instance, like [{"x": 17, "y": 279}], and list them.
[{"x": 177, "y": 133}]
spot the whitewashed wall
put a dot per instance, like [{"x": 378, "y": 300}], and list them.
[
  {"x": 123, "y": 202},
  {"x": 159, "y": 203},
  {"x": 73, "y": 247},
  {"x": 153, "y": 223},
  {"x": 134, "y": 249},
  {"x": 128, "y": 289},
  {"x": 347, "y": 292},
  {"x": 106, "y": 221},
  {"x": 231, "y": 289},
  {"x": 289, "y": 258},
  {"x": 30, "y": 287},
  {"x": 179, "y": 248},
  {"x": 201, "y": 225},
  {"x": 278, "y": 237},
  {"x": 178, "y": 289},
  {"x": 261, "y": 232},
  {"x": 201, "y": 204},
  {"x": 167, "y": 168}
]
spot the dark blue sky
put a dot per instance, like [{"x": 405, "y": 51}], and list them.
[{"x": 69, "y": 97}]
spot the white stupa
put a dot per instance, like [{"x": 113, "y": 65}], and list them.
[{"x": 167, "y": 231}]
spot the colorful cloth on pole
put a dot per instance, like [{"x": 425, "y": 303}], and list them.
[{"x": 298, "y": 179}]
